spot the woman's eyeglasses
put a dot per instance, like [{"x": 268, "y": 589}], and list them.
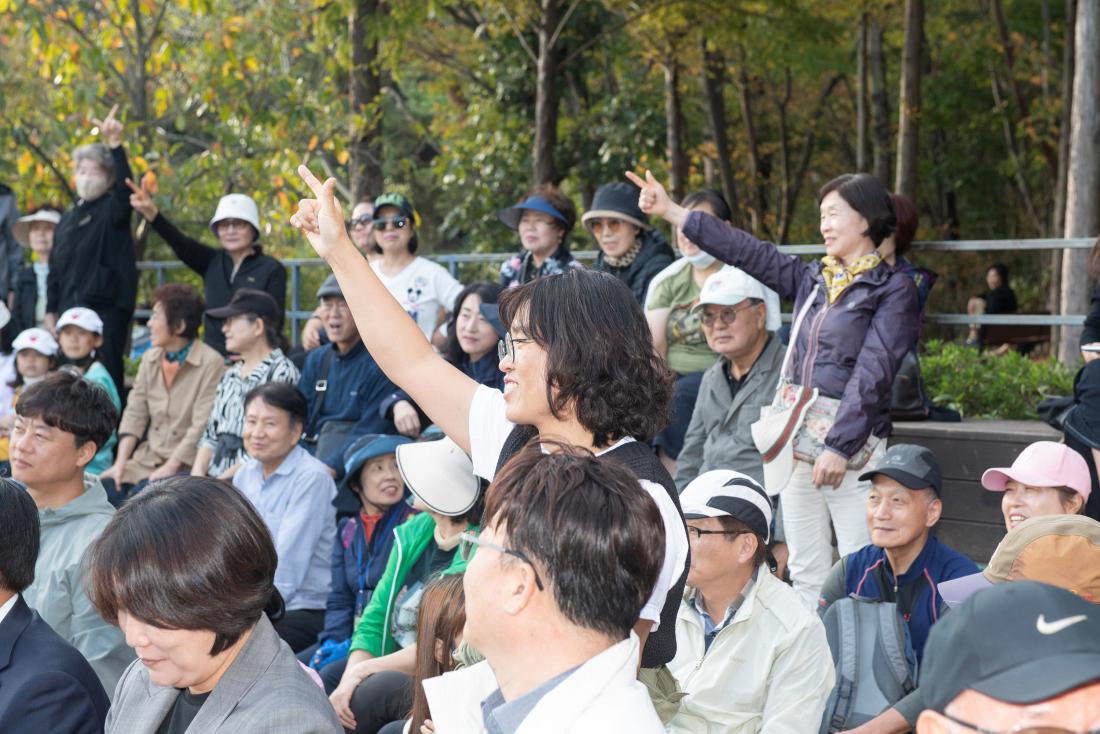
[
  {"x": 398, "y": 222},
  {"x": 363, "y": 220},
  {"x": 469, "y": 540},
  {"x": 506, "y": 347}
]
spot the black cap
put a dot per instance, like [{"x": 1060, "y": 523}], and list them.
[
  {"x": 491, "y": 313},
  {"x": 250, "y": 301},
  {"x": 1018, "y": 642},
  {"x": 330, "y": 288},
  {"x": 617, "y": 200},
  {"x": 913, "y": 466}
]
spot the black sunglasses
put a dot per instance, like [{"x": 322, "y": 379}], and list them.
[{"x": 398, "y": 222}]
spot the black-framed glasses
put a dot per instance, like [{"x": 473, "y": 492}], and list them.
[
  {"x": 363, "y": 220},
  {"x": 1020, "y": 730},
  {"x": 727, "y": 315},
  {"x": 697, "y": 533},
  {"x": 469, "y": 540},
  {"x": 506, "y": 347},
  {"x": 398, "y": 221}
]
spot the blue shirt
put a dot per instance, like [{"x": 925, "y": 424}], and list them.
[
  {"x": 505, "y": 717},
  {"x": 296, "y": 503},
  {"x": 710, "y": 629}
]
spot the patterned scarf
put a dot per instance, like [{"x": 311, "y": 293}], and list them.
[
  {"x": 180, "y": 355},
  {"x": 838, "y": 277},
  {"x": 627, "y": 258}
]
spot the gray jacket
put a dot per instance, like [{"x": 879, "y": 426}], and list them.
[
  {"x": 263, "y": 691},
  {"x": 719, "y": 436}
]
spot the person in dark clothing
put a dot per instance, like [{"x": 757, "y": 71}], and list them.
[
  {"x": 629, "y": 249},
  {"x": 1090, "y": 336},
  {"x": 239, "y": 263},
  {"x": 35, "y": 232},
  {"x": 1082, "y": 428},
  {"x": 92, "y": 263},
  {"x": 10, "y": 254},
  {"x": 999, "y": 299}
]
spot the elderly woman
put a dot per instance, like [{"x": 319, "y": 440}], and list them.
[
  {"x": 92, "y": 262},
  {"x": 857, "y": 317},
  {"x": 172, "y": 396},
  {"x": 34, "y": 232},
  {"x": 250, "y": 325},
  {"x": 238, "y": 263},
  {"x": 630, "y": 249},
  {"x": 543, "y": 221},
  {"x": 187, "y": 571}
]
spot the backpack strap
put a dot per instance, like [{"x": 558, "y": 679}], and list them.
[
  {"x": 892, "y": 633},
  {"x": 847, "y": 664}
]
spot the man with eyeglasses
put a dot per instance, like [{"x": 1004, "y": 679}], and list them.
[
  {"x": 1018, "y": 658},
  {"x": 734, "y": 389},
  {"x": 749, "y": 656}
]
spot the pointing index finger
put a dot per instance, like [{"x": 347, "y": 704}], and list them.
[
  {"x": 636, "y": 179},
  {"x": 311, "y": 181}
]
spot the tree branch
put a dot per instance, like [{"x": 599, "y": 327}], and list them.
[{"x": 519, "y": 34}]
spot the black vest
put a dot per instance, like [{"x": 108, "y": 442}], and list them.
[{"x": 660, "y": 647}]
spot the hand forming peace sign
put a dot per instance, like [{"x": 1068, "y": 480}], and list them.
[
  {"x": 320, "y": 219},
  {"x": 142, "y": 201},
  {"x": 110, "y": 128}
]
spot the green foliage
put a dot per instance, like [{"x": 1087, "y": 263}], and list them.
[{"x": 984, "y": 385}]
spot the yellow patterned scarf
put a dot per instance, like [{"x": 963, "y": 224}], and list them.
[{"x": 838, "y": 277}]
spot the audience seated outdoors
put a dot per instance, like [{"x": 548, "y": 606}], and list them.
[
  {"x": 905, "y": 563},
  {"x": 1082, "y": 429},
  {"x": 374, "y": 682},
  {"x": 293, "y": 492},
  {"x": 363, "y": 541},
  {"x": 35, "y": 232},
  {"x": 343, "y": 385},
  {"x": 238, "y": 263},
  {"x": 558, "y": 328},
  {"x": 740, "y": 327},
  {"x": 560, "y": 651},
  {"x": 45, "y": 684},
  {"x": 170, "y": 402},
  {"x": 630, "y": 249},
  {"x": 749, "y": 656},
  {"x": 543, "y": 221},
  {"x": 187, "y": 570},
  {"x": 79, "y": 336},
  {"x": 60, "y": 423},
  {"x": 92, "y": 261},
  {"x": 251, "y": 326},
  {"x": 999, "y": 299},
  {"x": 1047, "y": 478},
  {"x": 1019, "y": 657}
]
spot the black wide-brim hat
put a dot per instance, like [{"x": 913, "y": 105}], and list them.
[{"x": 617, "y": 201}]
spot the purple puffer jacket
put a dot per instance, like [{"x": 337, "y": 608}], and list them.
[{"x": 848, "y": 350}]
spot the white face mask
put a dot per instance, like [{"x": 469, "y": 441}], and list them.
[
  {"x": 91, "y": 186},
  {"x": 700, "y": 259},
  {"x": 33, "y": 380}
]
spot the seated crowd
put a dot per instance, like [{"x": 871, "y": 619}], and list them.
[{"x": 557, "y": 503}]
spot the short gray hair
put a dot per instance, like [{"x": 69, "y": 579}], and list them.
[{"x": 98, "y": 153}]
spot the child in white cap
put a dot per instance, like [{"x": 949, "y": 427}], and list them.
[
  {"x": 80, "y": 334},
  {"x": 35, "y": 355}
]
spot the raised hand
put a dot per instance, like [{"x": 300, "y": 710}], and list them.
[
  {"x": 141, "y": 201},
  {"x": 110, "y": 128},
  {"x": 320, "y": 219},
  {"x": 653, "y": 198}
]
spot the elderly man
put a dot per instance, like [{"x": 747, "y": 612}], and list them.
[
  {"x": 738, "y": 385},
  {"x": 92, "y": 262},
  {"x": 1020, "y": 657}
]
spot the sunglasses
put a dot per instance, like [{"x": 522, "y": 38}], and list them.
[{"x": 398, "y": 221}]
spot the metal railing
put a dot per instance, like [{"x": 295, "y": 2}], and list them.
[{"x": 296, "y": 315}]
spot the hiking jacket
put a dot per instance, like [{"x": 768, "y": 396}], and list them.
[
  {"x": 374, "y": 632},
  {"x": 602, "y": 695},
  {"x": 11, "y": 253},
  {"x": 654, "y": 257},
  {"x": 719, "y": 435},
  {"x": 849, "y": 349},
  {"x": 768, "y": 670},
  {"x": 57, "y": 593}
]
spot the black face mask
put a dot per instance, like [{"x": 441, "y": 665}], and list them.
[{"x": 83, "y": 363}]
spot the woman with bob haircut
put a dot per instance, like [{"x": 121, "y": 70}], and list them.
[
  {"x": 858, "y": 317},
  {"x": 579, "y": 368},
  {"x": 187, "y": 570}
]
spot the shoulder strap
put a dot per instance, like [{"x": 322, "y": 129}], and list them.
[
  {"x": 846, "y": 659},
  {"x": 795, "y": 329},
  {"x": 893, "y": 636},
  {"x": 321, "y": 386}
]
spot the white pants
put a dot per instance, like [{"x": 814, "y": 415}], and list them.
[{"x": 808, "y": 512}]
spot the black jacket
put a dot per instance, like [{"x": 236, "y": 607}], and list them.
[
  {"x": 1092, "y": 321},
  {"x": 214, "y": 264},
  {"x": 92, "y": 262},
  {"x": 654, "y": 257},
  {"x": 25, "y": 288}
]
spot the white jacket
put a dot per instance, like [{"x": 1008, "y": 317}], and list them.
[
  {"x": 602, "y": 695},
  {"x": 768, "y": 671}
]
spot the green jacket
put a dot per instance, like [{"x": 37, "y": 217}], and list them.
[{"x": 411, "y": 538}]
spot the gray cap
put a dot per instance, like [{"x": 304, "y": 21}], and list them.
[
  {"x": 330, "y": 288},
  {"x": 913, "y": 466}
]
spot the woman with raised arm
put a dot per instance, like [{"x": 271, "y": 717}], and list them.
[
  {"x": 578, "y": 364},
  {"x": 858, "y": 318}
]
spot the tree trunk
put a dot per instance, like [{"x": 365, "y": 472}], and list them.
[
  {"x": 880, "y": 105},
  {"x": 713, "y": 87},
  {"x": 905, "y": 182},
  {"x": 863, "y": 132},
  {"x": 1058, "y": 216},
  {"x": 674, "y": 130},
  {"x": 546, "y": 95},
  {"x": 758, "y": 200},
  {"x": 365, "y": 91},
  {"x": 1083, "y": 186}
]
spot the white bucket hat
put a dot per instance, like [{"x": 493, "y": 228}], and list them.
[
  {"x": 440, "y": 474},
  {"x": 85, "y": 318},
  {"x": 21, "y": 230},
  {"x": 236, "y": 206}
]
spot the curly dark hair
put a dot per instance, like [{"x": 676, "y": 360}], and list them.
[{"x": 600, "y": 358}]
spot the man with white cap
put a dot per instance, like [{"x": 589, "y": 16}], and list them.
[
  {"x": 749, "y": 656},
  {"x": 735, "y": 321},
  {"x": 79, "y": 336},
  {"x": 239, "y": 263}
]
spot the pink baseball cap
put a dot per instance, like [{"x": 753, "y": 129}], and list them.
[{"x": 1043, "y": 464}]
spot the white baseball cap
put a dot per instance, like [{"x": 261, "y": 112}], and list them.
[
  {"x": 729, "y": 286},
  {"x": 37, "y": 339},
  {"x": 85, "y": 318},
  {"x": 440, "y": 474},
  {"x": 236, "y": 206},
  {"x": 21, "y": 230}
]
